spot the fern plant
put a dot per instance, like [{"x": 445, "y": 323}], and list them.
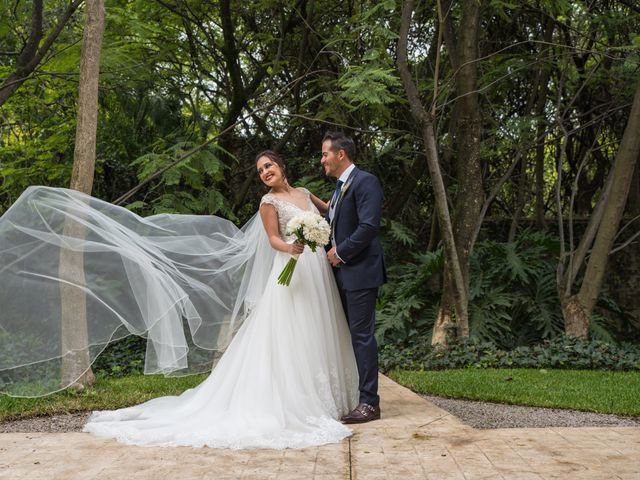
[
  {"x": 405, "y": 298},
  {"x": 188, "y": 187},
  {"x": 513, "y": 300}
]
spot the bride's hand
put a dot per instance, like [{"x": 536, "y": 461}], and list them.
[{"x": 296, "y": 248}]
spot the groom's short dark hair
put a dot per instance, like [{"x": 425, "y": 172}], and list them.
[{"x": 339, "y": 141}]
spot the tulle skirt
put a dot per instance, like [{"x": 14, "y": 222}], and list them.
[{"x": 283, "y": 382}]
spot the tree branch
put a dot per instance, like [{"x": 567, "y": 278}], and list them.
[
  {"x": 424, "y": 120},
  {"x": 30, "y": 57}
]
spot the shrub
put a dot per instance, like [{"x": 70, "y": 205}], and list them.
[
  {"x": 513, "y": 299},
  {"x": 561, "y": 352},
  {"x": 122, "y": 357}
]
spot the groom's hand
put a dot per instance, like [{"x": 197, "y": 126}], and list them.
[{"x": 333, "y": 257}]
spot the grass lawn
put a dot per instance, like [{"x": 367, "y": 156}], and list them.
[
  {"x": 108, "y": 394},
  {"x": 590, "y": 390},
  {"x": 597, "y": 391}
]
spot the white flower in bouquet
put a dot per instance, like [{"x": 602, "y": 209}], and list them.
[{"x": 309, "y": 229}]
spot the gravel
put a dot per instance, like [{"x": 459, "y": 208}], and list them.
[
  {"x": 72, "y": 422},
  {"x": 483, "y": 415},
  {"x": 496, "y": 415}
]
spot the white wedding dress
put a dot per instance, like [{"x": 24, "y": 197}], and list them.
[{"x": 286, "y": 377}]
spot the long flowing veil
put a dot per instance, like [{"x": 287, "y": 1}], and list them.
[{"x": 77, "y": 273}]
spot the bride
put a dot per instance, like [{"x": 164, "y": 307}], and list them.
[{"x": 288, "y": 372}]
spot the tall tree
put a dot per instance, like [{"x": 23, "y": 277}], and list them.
[
  {"x": 459, "y": 294},
  {"x": 462, "y": 44},
  {"x": 577, "y": 309},
  {"x": 76, "y": 366}
]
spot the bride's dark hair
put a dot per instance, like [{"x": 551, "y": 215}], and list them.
[{"x": 274, "y": 157}]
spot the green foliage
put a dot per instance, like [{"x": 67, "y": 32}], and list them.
[
  {"x": 561, "y": 352},
  {"x": 513, "y": 299},
  {"x": 512, "y": 296},
  {"x": 18, "y": 349},
  {"x": 189, "y": 185},
  {"x": 368, "y": 85},
  {"x": 319, "y": 187},
  {"x": 121, "y": 358},
  {"x": 36, "y": 151},
  {"x": 13, "y": 349},
  {"x": 400, "y": 312},
  {"x": 399, "y": 233}
]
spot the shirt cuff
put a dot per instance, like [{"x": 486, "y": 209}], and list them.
[{"x": 339, "y": 257}]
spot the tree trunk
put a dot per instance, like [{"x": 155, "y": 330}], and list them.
[
  {"x": 633, "y": 203},
  {"x": 76, "y": 366},
  {"x": 469, "y": 200},
  {"x": 418, "y": 168},
  {"x": 541, "y": 101},
  {"x": 424, "y": 120},
  {"x": 444, "y": 326},
  {"x": 540, "y": 222},
  {"x": 578, "y": 309},
  {"x": 434, "y": 234},
  {"x": 576, "y": 320}
]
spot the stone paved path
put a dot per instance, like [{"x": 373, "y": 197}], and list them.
[{"x": 414, "y": 440}]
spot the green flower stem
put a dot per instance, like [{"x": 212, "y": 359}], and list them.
[{"x": 287, "y": 271}]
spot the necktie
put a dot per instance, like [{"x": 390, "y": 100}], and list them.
[
  {"x": 336, "y": 194},
  {"x": 334, "y": 199}
]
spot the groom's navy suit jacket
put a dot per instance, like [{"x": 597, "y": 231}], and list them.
[{"x": 355, "y": 227}]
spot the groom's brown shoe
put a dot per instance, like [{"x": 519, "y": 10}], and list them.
[{"x": 361, "y": 414}]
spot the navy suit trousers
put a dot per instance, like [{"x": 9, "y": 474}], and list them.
[{"x": 360, "y": 309}]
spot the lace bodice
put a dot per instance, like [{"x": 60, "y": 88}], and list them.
[{"x": 287, "y": 210}]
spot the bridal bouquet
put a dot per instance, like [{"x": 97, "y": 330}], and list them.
[{"x": 310, "y": 229}]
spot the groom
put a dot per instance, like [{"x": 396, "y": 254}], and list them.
[{"x": 356, "y": 255}]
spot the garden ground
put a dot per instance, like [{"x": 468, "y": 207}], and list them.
[{"x": 415, "y": 439}]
